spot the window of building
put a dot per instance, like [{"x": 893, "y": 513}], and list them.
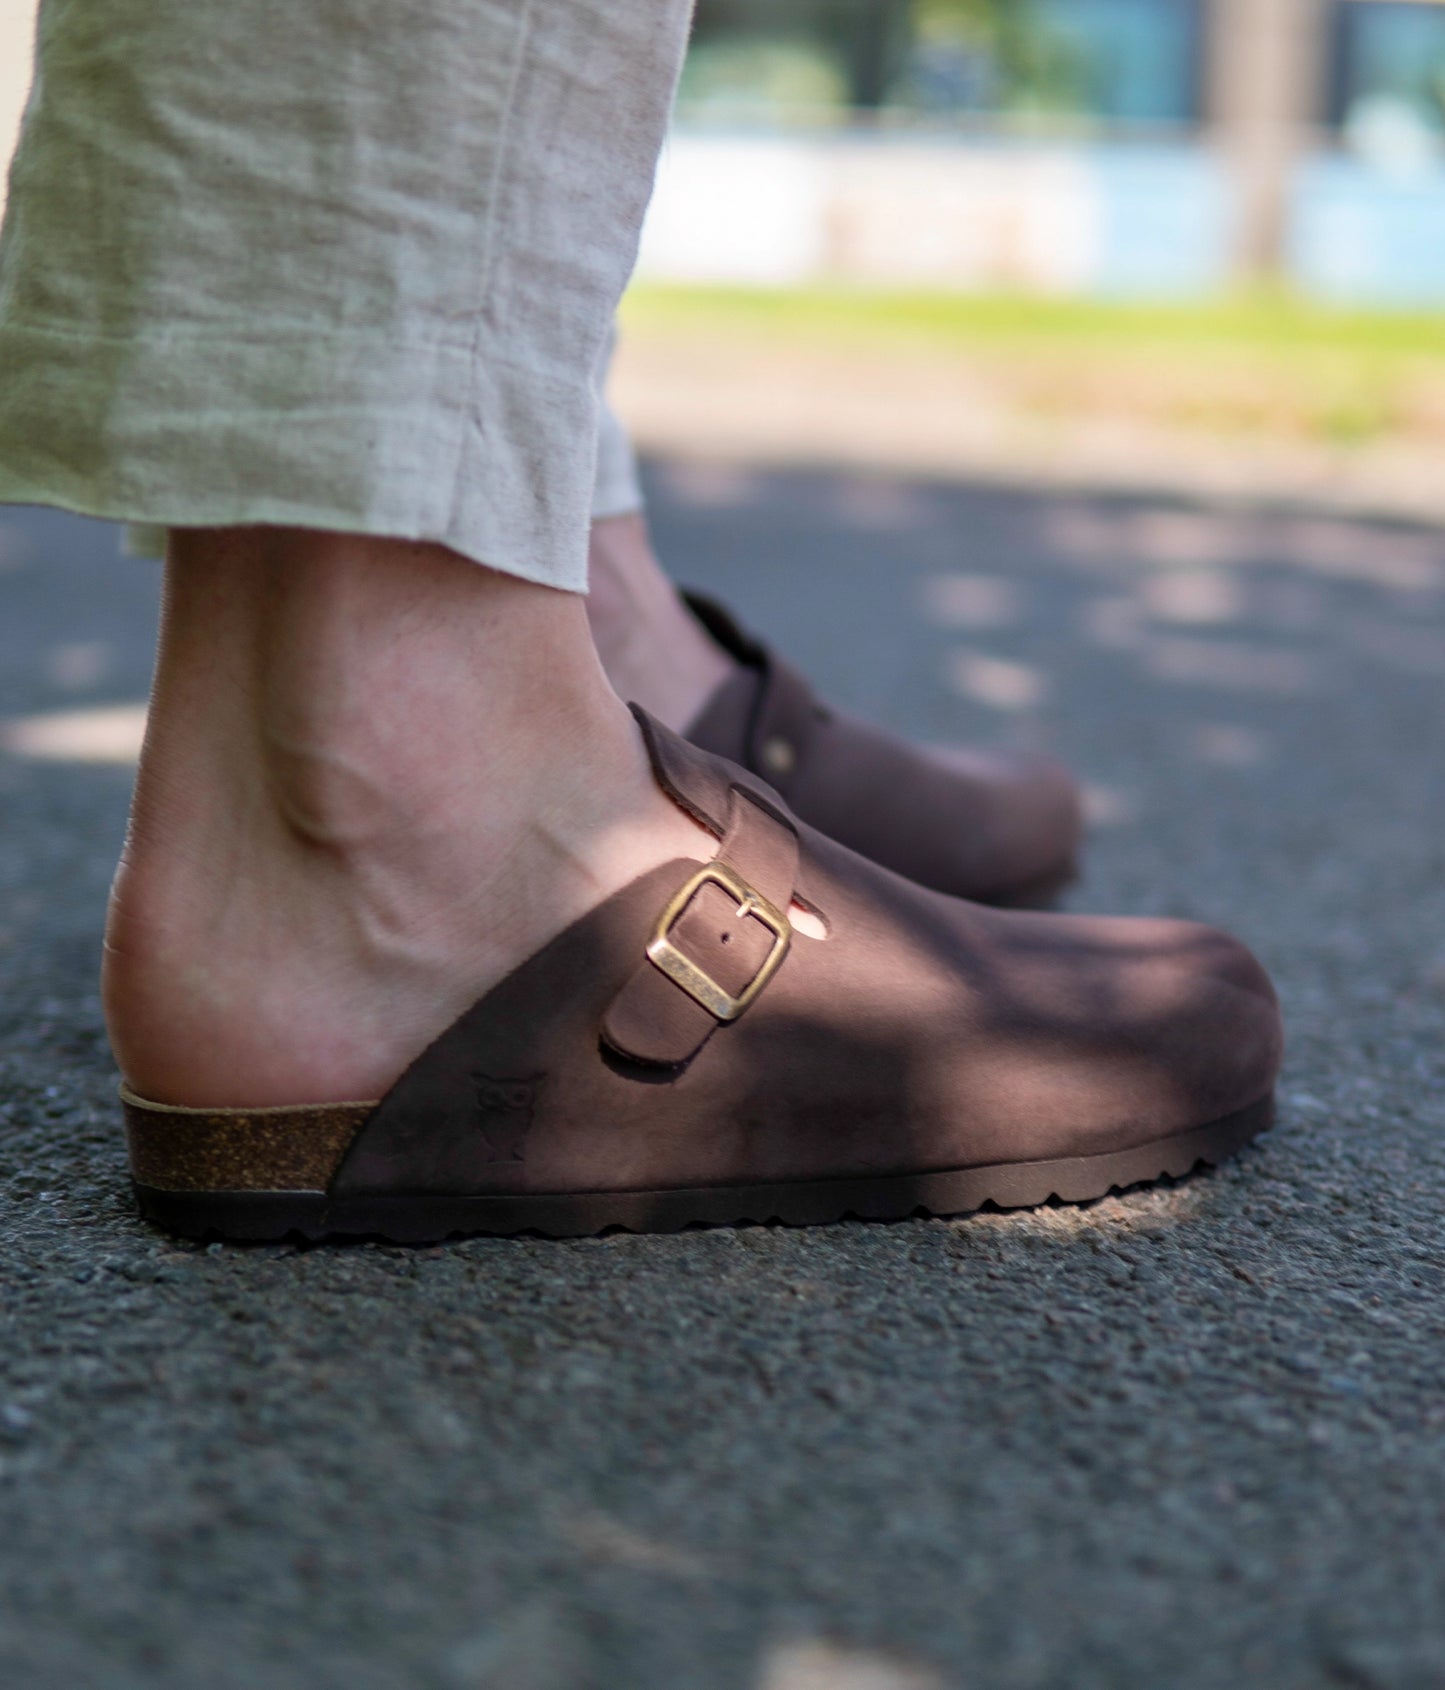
[
  {"x": 787, "y": 61},
  {"x": 1100, "y": 63},
  {"x": 1104, "y": 62},
  {"x": 1388, "y": 93}
]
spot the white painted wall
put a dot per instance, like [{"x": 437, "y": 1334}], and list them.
[
  {"x": 788, "y": 210},
  {"x": 17, "y": 30},
  {"x": 746, "y": 210}
]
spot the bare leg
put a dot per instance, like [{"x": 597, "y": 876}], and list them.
[
  {"x": 653, "y": 648},
  {"x": 377, "y": 777}
]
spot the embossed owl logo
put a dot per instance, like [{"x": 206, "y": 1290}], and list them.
[{"x": 504, "y": 1114}]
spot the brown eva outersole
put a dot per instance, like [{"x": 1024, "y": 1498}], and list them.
[{"x": 429, "y": 1217}]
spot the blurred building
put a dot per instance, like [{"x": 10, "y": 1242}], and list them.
[{"x": 1092, "y": 146}]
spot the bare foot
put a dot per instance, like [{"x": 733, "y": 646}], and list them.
[
  {"x": 377, "y": 777},
  {"x": 653, "y": 648}
]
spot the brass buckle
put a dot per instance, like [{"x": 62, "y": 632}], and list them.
[{"x": 698, "y": 985}]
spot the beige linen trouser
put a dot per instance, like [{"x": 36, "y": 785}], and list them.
[{"x": 350, "y": 264}]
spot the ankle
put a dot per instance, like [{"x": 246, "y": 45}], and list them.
[
  {"x": 344, "y": 685},
  {"x": 654, "y": 650}
]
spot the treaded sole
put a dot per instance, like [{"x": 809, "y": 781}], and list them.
[{"x": 426, "y": 1218}]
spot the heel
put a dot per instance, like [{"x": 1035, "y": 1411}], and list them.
[{"x": 244, "y": 1173}]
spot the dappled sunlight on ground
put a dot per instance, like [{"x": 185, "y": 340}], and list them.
[
  {"x": 837, "y": 1666},
  {"x": 1225, "y": 606},
  {"x": 1144, "y": 1211},
  {"x": 1176, "y": 535},
  {"x": 999, "y": 682},
  {"x": 111, "y": 734},
  {"x": 960, "y": 600}
]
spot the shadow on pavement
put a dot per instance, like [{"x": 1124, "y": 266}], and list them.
[{"x": 1185, "y": 1436}]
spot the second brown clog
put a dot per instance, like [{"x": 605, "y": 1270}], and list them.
[{"x": 998, "y": 827}]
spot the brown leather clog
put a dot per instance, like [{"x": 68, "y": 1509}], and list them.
[
  {"x": 680, "y": 1055},
  {"x": 995, "y": 826}
]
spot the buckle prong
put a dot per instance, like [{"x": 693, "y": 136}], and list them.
[{"x": 696, "y": 982}]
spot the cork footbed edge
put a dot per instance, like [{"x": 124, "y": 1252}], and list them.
[{"x": 286, "y": 1148}]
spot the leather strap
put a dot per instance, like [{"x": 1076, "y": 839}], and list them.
[
  {"x": 659, "y": 1022},
  {"x": 785, "y": 709},
  {"x": 726, "y": 629}
]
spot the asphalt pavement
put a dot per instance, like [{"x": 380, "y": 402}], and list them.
[{"x": 1186, "y": 1437}]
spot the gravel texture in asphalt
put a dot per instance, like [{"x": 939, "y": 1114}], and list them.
[{"x": 1189, "y": 1437}]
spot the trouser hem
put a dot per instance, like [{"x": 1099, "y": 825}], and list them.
[{"x": 303, "y": 429}]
